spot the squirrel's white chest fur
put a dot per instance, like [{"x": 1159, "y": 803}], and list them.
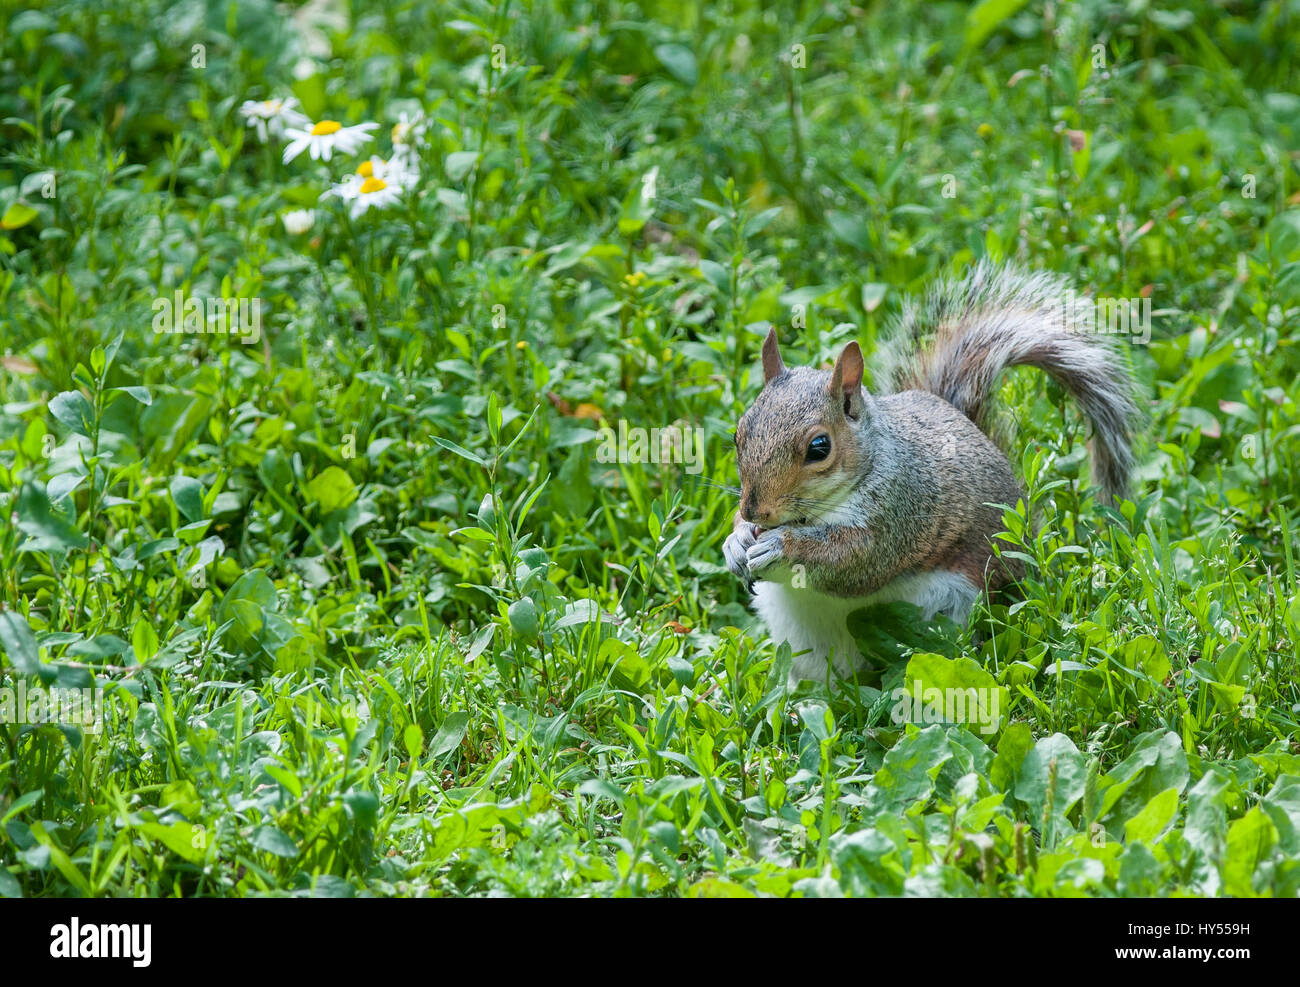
[{"x": 816, "y": 624}]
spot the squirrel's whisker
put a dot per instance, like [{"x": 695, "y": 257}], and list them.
[{"x": 715, "y": 485}]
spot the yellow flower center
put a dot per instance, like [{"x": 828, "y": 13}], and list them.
[
  {"x": 367, "y": 170},
  {"x": 373, "y": 185},
  {"x": 399, "y": 132},
  {"x": 326, "y": 127}
]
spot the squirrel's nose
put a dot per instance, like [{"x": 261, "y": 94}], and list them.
[{"x": 753, "y": 511}]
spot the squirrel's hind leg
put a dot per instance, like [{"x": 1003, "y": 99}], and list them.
[
  {"x": 816, "y": 625},
  {"x": 941, "y": 591},
  {"x": 813, "y": 624}
]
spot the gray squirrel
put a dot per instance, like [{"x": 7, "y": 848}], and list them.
[{"x": 850, "y": 498}]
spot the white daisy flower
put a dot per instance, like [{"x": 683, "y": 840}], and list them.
[
  {"x": 409, "y": 132},
  {"x": 366, "y": 191},
  {"x": 325, "y": 138},
  {"x": 400, "y": 169},
  {"x": 299, "y": 221},
  {"x": 272, "y": 116}
]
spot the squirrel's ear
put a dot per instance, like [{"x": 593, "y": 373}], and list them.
[
  {"x": 846, "y": 380},
  {"x": 772, "y": 363}
]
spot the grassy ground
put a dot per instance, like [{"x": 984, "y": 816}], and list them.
[{"x": 371, "y": 616}]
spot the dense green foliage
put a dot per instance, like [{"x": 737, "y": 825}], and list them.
[{"x": 371, "y": 616}]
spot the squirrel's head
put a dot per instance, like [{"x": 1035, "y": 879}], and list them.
[{"x": 800, "y": 447}]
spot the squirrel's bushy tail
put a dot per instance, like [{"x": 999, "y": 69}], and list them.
[{"x": 965, "y": 332}]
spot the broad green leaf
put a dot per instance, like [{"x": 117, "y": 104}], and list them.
[
  {"x": 248, "y": 602},
  {"x": 459, "y": 164},
  {"x": 1154, "y": 818},
  {"x": 524, "y": 622},
  {"x": 17, "y": 642},
  {"x": 449, "y": 735},
  {"x": 680, "y": 63},
  {"x": 869, "y": 863},
  {"x": 1139, "y": 872},
  {"x": 936, "y": 689},
  {"x": 273, "y": 840},
  {"x": 144, "y": 641},
  {"x": 1283, "y": 806},
  {"x": 311, "y": 94},
  {"x": 18, "y": 214},
  {"x": 715, "y": 274},
  {"x": 1146, "y": 654},
  {"x": 1014, "y": 744},
  {"x": 849, "y": 229},
  {"x": 1205, "y": 824},
  {"x": 364, "y": 807},
  {"x": 46, "y": 529},
  {"x": 22, "y": 802},
  {"x": 911, "y": 766},
  {"x": 187, "y": 494},
  {"x": 983, "y": 18},
  {"x": 179, "y": 838},
  {"x": 413, "y": 740},
  {"x": 1034, "y": 779},
  {"x": 482, "y": 823},
  {"x": 9, "y": 886},
  {"x": 285, "y": 777},
  {"x": 1157, "y": 761},
  {"x": 333, "y": 489},
  {"x": 73, "y": 410},
  {"x": 1249, "y": 840},
  {"x": 638, "y": 205},
  {"x": 101, "y": 647},
  {"x": 140, "y": 394},
  {"x": 601, "y": 788},
  {"x": 631, "y": 671},
  {"x": 482, "y": 639},
  {"x": 887, "y": 632}
]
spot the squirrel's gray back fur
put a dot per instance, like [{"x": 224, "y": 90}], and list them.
[{"x": 958, "y": 339}]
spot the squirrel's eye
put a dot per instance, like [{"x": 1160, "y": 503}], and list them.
[{"x": 818, "y": 449}]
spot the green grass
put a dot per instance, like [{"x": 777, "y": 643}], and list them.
[{"x": 296, "y": 567}]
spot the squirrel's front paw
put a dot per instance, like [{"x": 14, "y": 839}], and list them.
[
  {"x": 735, "y": 549},
  {"x": 767, "y": 550}
]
